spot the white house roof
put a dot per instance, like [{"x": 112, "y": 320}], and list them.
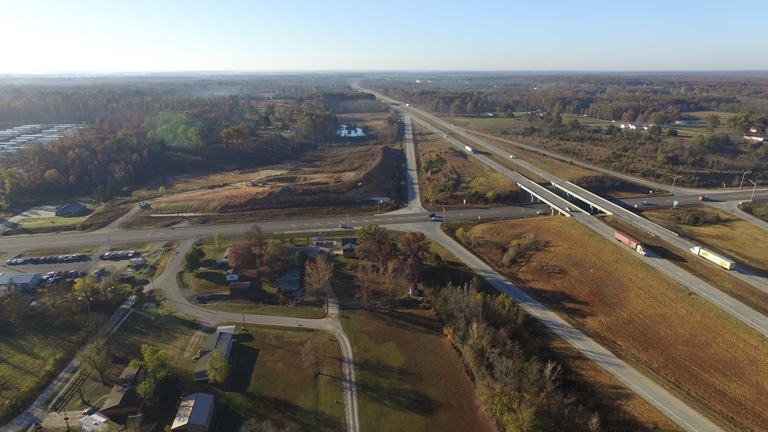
[{"x": 193, "y": 410}]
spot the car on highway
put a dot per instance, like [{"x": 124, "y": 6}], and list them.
[
  {"x": 568, "y": 209},
  {"x": 512, "y": 157},
  {"x": 344, "y": 226},
  {"x": 646, "y": 203},
  {"x": 435, "y": 219},
  {"x": 539, "y": 212}
]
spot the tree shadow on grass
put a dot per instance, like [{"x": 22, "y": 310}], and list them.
[
  {"x": 401, "y": 398},
  {"x": 212, "y": 277},
  {"x": 268, "y": 407},
  {"x": 384, "y": 371},
  {"x": 245, "y": 358},
  {"x": 412, "y": 322},
  {"x": 560, "y": 301}
]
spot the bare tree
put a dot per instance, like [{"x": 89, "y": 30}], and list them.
[
  {"x": 317, "y": 273},
  {"x": 393, "y": 283},
  {"x": 256, "y": 238},
  {"x": 366, "y": 282},
  {"x": 312, "y": 355},
  {"x": 415, "y": 247}
]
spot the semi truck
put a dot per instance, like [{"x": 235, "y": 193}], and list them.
[
  {"x": 711, "y": 256},
  {"x": 629, "y": 241},
  {"x": 469, "y": 149}
]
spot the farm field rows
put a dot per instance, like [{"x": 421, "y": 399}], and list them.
[{"x": 685, "y": 343}]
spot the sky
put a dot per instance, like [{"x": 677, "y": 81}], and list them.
[{"x": 85, "y": 36}]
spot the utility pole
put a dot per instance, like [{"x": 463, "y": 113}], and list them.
[
  {"x": 753, "y": 190},
  {"x": 443, "y": 214},
  {"x": 742, "y": 178},
  {"x": 673, "y": 184}
]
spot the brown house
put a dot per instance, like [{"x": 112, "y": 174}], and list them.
[{"x": 123, "y": 398}]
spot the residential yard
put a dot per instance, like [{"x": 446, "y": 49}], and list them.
[
  {"x": 272, "y": 384},
  {"x": 682, "y": 341},
  {"x": 737, "y": 239},
  {"x": 409, "y": 377},
  {"x": 450, "y": 175},
  {"x": 161, "y": 328},
  {"x": 29, "y": 360}
]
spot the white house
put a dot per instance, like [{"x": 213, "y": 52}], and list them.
[
  {"x": 94, "y": 422},
  {"x": 233, "y": 275},
  {"x": 344, "y": 132}
]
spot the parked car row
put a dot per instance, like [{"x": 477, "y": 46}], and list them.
[
  {"x": 47, "y": 259},
  {"x": 53, "y": 277},
  {"x": 119, "y": 255}
]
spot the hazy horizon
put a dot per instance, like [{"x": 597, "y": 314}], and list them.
[{"x": 87, "y": 37}]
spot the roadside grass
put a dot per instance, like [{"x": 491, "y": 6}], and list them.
[
  {"x": 737, "y": 239},
  {"x": 449, "y": 175},
  {"x": 138, "y": 247},
  {"x": 707, "y": 271},
  {"x": 678, "y": 339},
  {"x": 88, "y": 250},
  {"x": 408, "y": 375},
  {"x": 3, "y": 254},
  {"x": 157, "y": 265},
  {"x": 160, "y": 328},
  {"x": 309, "y": 312},
  {"x": 757, "y": 209},
  {"x": 29, "y": 360},
  {"x": 338, "y": 160},
  {"x": 49, "y": 223},
  {"x": 104, "y": 215},
  {"x": 269, "y": 382},
  {"x": 185, "y": 207}
]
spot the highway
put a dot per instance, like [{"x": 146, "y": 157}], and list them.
[
  {"x": 728, "y": 304},
  {"x": 412, "y": 219}
]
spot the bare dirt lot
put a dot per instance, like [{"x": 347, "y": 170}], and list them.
[
  {"x": 336, "y": 176},
  {"x": 679, "y": 339}
]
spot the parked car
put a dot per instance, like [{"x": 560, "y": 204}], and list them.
[
  {"x": 89, "y": 410},
  {"x": 201, "y": 298}
]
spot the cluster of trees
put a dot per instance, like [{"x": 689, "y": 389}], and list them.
[
  {"x": 520, "y": 390},
  {"x": 81, "y": 305},
  {"x": 134, "y": 133},
  {"x": 393, "y": 267}
]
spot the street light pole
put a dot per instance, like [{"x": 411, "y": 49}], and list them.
[
  {"x": 66, "y": 420},
  {"x": 110, "y": 241},
  {"x": 443, "y": 214},
  {"x": 753, "y": 190},
  {"x": 742, "y": 178},
  {"x": 673, "y": 184}
]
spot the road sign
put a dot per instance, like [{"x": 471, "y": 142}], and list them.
[{"x": 674, "y": 203}]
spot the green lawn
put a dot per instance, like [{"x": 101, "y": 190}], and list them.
[
  {"x": 51, "y": 222},
  {"x": 409, "y": 376},
  {"x": 160, "y": 328},
  {"x": 138, "y": 247},
  {"x": 272, "y": 385},
  {"x": 29, "y": 360},
  {"x": 60, "y": 251}
]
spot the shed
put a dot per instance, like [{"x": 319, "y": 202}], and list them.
[
  {"x": 348, "y": 247},
  {"x": 71, "y": 209},
  {"x": 94, "y": 422},
  {"x": 194, "y": 414},
  {"x": 123, "y": 398},
  {"x": 221, "y": 340},
  {"x": 233, "y": 275},
  {"x": 23, "y": 281},
  {"x": 239, "y": 288}
]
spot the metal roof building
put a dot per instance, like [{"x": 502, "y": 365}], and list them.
[{"x": 194, "y": 414}]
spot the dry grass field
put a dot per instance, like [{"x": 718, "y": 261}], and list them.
[
  {"x": 682, "y": 341},
  {"x": 409, "y": 377},
  {"x": 703, "y": 269},
  {"x": 734, "y": 237},
  {"x": 449, "y": 175}
]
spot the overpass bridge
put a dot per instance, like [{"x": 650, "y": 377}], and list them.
[{"x": 594, "y": 201}]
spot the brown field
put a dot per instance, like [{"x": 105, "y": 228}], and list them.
[
  {"x": 409, "y": 377},
  {"x": 734, "y": 237},
  {"x": 703, "y": 269},
  {"x": 679, "y": 339},
  {"x": 331, "y": 176},
  {"x": 459, "y": 177}
]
